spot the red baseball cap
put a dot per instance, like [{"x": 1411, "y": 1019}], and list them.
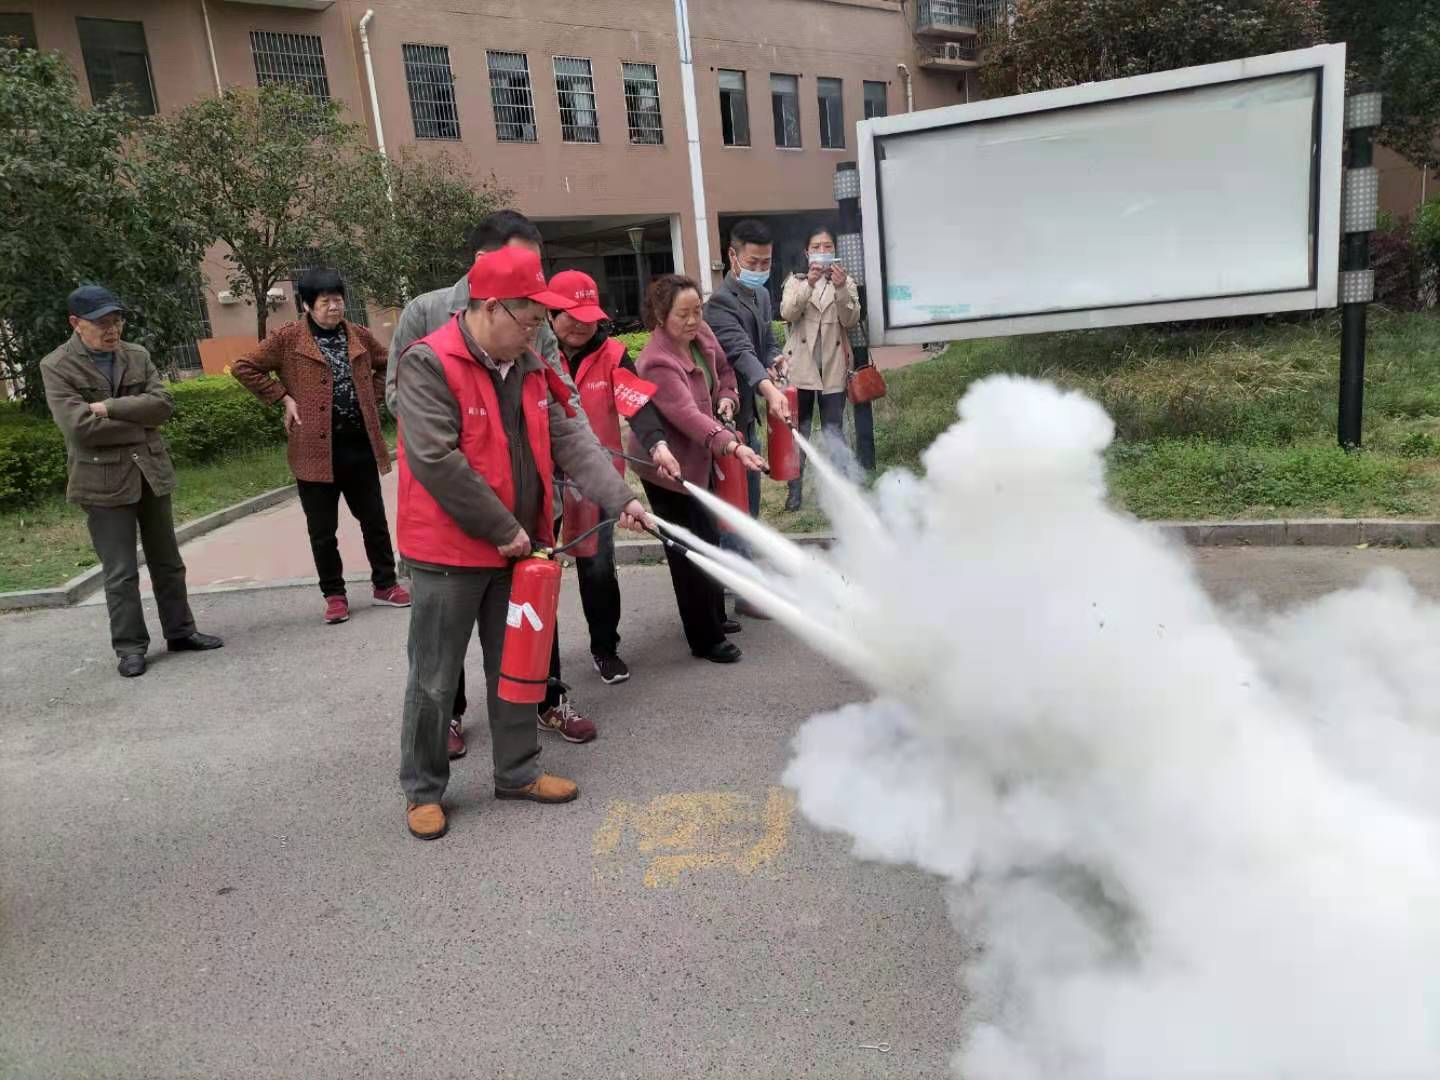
[
  {"x": 583, "y": 293},
  {"x": 512, "y": 273}
]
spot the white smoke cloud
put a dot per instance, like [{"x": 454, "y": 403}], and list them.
[{"x": 1188, "y": 844}]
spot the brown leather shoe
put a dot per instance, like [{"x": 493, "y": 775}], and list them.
[
  {"x": 547, "y": 789},
  {"x": 426, "y": 820}
]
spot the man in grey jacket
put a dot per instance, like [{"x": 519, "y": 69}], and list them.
[
  {"x": 742, "y": 316},
  {"x": 428, "y": 313},
  {"x": 466, "y": 395}
]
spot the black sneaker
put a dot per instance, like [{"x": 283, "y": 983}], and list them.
[{"x": 612, "y": 669}]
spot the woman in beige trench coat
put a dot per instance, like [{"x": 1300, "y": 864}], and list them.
[{"x": 819, "y": 308}]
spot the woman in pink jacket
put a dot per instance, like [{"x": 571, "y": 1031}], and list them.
[{"x": 696, "y": 396}]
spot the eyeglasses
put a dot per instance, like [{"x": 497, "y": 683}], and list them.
[
  {"x": 109, "y": 322},
  {"x": 528, "y": 329}
]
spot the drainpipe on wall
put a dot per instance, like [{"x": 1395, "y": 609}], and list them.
[
  {"x": 909, "y": 87},
  {"x": 374, "y": 96},
  {"x": 210, "y": 43},
  {"x": 692, "y": 137}
]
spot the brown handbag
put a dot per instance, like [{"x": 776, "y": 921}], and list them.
[{"x": 865, "y": 384}]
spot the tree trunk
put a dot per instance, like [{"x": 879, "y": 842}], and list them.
[{"x": 262, "y": 313}]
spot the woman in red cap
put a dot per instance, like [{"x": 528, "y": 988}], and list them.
[{"x": 609, "y": 389}]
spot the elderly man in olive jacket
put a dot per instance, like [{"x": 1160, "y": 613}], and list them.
[{"x": 110, "y": 401}]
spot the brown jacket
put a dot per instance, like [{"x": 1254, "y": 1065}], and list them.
[
  {"x": 289, "y": 362},
  {"x": 108, "y": 455}
]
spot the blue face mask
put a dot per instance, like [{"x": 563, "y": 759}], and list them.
[{"x": 753, "y": 279}]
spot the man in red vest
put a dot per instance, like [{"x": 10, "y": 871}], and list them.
[
  {"x": 609, "y": 388},
  {"x": 485, "y": 422}
]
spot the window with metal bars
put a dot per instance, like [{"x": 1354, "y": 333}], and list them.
[
  {"x": 785, "y": 106},
  {"x": 734, "y": 109},
  {"x": 511, "y": 96},
  {"x": 575, "y": 91},
  {"x": 432, "y": 91},
  {"x": 186, "y": 356},
  {"x": 296, "y": 60},
  {"x": 875, "y": 100},
  {"x": 832, "y": 113},
  {"x": 18, "y": 28},
  {"x": 355, "y": 310},
  {"x": 117, "y": 63},
  {"x": 642, "y": 103}
]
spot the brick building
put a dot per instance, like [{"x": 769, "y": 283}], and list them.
[{"x": 578, "y": 107}]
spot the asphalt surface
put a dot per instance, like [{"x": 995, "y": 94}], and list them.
[{"x": 205, "y": 872}]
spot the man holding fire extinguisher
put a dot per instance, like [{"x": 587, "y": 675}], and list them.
[
  {"x": 484, "y": 424},
  {"x": 609, "y": 388}
]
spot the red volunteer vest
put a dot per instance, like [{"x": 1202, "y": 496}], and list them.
[
  {"x": 606, "y": 391},
  {"x": 427, "y": 533}
]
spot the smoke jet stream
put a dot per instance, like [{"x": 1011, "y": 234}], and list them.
[{"x": 1193, "y": 844}]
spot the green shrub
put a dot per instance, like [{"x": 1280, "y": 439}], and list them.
[
  {"x": 32, "y": 456},
  {"x": 214, "y": 416}
]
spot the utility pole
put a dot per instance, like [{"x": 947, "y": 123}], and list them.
[
  {"x": 850, "y": 250},
  {"x": 1360, "y": 209}
]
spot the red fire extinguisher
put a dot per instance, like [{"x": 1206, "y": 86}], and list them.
[
  {"x": 731, "y": 484},
  {"x": 579, "y": 517},
  {"x": 780, "y": 445},
  {"x": 530, "y": 630}
]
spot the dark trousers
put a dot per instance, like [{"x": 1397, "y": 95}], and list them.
[
  {"x": 832, "y": 421},
  {"x": 448, "y": 607},
  {"x": 700, "y": 599},
  {"x": 357, "y": 478},
  {"x": 555, "y": 687},
  {"x": 112, "y": 531},
  {"x": 752, "y": 479},
  {"x": 600, "y": 595}
]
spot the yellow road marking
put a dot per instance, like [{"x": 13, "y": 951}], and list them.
[{"x": 695, "y": 831}]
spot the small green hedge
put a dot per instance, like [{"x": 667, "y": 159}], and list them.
[{"x": 214, "y": 416}]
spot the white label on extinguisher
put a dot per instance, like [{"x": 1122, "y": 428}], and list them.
[{"x": 525, "y": 612}]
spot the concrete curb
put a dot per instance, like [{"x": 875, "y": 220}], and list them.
[
  {"x": 81, "y": 586},
  {"x": 1375, "y": 532}
]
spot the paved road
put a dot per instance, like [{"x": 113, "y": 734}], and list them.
[{"x": 206, "y": 872}]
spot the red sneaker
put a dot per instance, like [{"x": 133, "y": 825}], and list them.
[
  {"x": 455, "y": 740},
  {"x": 564, "y": 721},
  {"x": 395, "y": 596},
  {"x": 337, "y": 609}
]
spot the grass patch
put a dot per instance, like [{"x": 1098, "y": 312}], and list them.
[
  {"x": 47, "y": 543},
  {"x": 1219, "y": 421}
]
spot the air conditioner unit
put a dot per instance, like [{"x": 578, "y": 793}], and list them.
[
  {"x": 227, "y": 298},
  {"x": 275, "y": 296}
]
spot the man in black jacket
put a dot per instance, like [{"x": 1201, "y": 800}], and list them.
[{"x": 741, "y": 314}]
